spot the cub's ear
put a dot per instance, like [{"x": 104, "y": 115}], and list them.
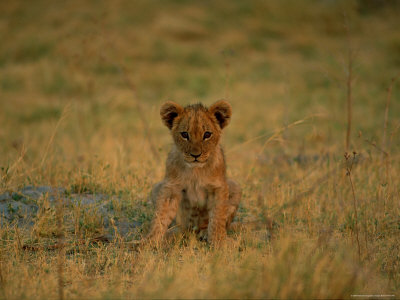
[
  {"x": 169, "y": 111},
  {"x": 222, "y": 112}
]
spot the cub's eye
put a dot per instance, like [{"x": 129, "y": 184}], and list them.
[
  {"x": 185, "y": 135},
  {"x": 207, "y": 135}
]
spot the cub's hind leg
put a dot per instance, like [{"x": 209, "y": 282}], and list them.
[{"x": 235, "y": 194}]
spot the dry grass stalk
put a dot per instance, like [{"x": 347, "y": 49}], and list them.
[
  {"x": 296, "y": 199},
  {"x": 61, "y": 249},
  {"x": 385, "y": 148},
  {"x": 64, "y": 114},
  {"x": 349, "y": 81},
  {"x": 142, "y": 114},
  {"x": 349, "y": 101},
  {"x": 122, "y": 70},
  {"x": 385, "y": 124},
  {"x": 349, "y": 168},
  {"x": 59, "y": 245},
  {"x": 273, "y": 137},
  {"x": 2, "y": 279}
]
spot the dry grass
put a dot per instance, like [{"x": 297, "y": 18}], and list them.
[{"x": 69, "y": 117}]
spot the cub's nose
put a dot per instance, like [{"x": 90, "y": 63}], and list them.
[{"x": 194, "y": 155}]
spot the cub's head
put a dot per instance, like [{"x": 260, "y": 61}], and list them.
[{"x": 196, "y": 129}]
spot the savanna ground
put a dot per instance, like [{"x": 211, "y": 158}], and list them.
[{"x": 81, "y": 84}]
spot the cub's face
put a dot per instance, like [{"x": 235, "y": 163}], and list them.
[{"x": 196, "y": 129}]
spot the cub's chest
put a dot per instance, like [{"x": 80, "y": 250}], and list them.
[
  {"x": 196, "y": 189},
  {"x": 197, "y": 194}
]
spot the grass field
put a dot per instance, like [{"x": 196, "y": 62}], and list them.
[{"x": 81, "y": 83}]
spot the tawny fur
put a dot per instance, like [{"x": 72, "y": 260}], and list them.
[{"x": 195, "y": 190}]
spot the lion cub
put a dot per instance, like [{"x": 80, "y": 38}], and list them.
[{"x": 195, "y": 189}]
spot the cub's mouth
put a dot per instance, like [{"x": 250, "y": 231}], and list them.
[{"x": 196, "y": 162}]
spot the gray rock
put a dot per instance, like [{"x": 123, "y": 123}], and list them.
[
  {"x": 28, "y": 188},
  {"x": 54, "y": 200},
  {"x": 37, "y": 192},
  {"x": 44, "y": 189},
  {"x": 34, "y": 195},
  {"x": 124, "y": 227},
  {"x": 4, "y": 197},
  {"x": 51, "y": 190},
  {"x": 21, "y": 207},
  {"x": 13, "y": 209},
  {"x": 88, "y": 199},
  {"x": 80, "y": 200}
]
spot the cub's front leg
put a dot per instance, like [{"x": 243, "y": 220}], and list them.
[
  {"x": 218, "y": 215},
  {"x": 167, "y": 200}
]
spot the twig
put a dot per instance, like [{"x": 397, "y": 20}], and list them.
[
  {"x": 349, "y": 82},
  {"x": 274, "y": 136},
  {"x": 373, "y": 144},
  {"x": 349, "y": 168},
  {"x": 295, "y": 200},
  {"x": 349, "y": 100}
]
